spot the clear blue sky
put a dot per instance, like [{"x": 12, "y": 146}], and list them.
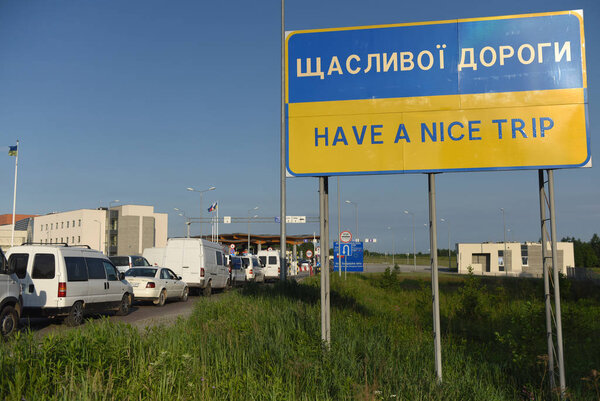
[{"x": 136, "y": 100}]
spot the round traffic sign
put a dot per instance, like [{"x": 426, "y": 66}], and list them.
[
  {"x": 232, "y": 246},
  {"x": 309, "y": 254},
  {"x": 269, "y": 249},
  {"x": 318, "y": 250},
  {"x": 345, "y": 236}
]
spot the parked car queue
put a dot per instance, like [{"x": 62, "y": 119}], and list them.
[{"x": 66, "y": 282}]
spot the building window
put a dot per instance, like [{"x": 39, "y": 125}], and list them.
[
  {"x": 524, "y": 255},
  {"x": 79, "y": 222},
  {"x": 50, "y": 240},
  {"x": 66, "y": 240},
  {"x": 73, "y": 223},
  {"x": 72, "y": 239},
  {"x": 62, "y": 224},
  {"x": 501, "y": 260},
  {"x": 42, "y": 229},
  {"x": 46, "y": 226},
  {"x": 79, "y": 239},
  {"x": 67, "y": 224},
  {"x": 52, "y": 226}
]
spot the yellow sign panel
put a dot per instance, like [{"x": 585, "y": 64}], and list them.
[{"x": 491, "y": 102}]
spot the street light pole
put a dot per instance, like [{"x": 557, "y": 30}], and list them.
[
  {"x": 414, "y": 247},
  {"x": 201, "y": 192},
  {"x": 187, "y": 220},
  {"x": 393, "y": 247},
  {"x": 447, "y": 221},
  {"x": 504, "y": 255},
  {"x": 255, "y": 216},
  {"x": 356, "y": 214}
]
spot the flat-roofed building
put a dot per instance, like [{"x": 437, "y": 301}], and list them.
[
  {"x": 130, "y": 230},
  {"x": 521, "y": 259}
]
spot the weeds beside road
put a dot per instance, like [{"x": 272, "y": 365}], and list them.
[{"x": 263, "y": 342}]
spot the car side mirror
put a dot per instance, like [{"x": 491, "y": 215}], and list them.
[
  {"x": 178, "y": 277},
  {"x": 121, "y": 276}
]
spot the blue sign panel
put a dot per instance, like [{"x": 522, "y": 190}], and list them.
[
  {"x": 448, "y": 58},
  {"x": 352, "y": 256}
]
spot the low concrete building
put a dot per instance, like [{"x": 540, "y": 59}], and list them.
[
  {"x": 130, "y": 229},
  {"x": 23, "y": 229},
  {"x": 521, "y": 259}
]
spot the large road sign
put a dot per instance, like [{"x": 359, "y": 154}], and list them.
[
  {"x": 494, "y": 93},
  {"x": 352, "y": 256}
]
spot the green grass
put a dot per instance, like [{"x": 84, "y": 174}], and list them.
[
  {"x": 400, "y": 259},
  {"x": 263, "y": 343}
]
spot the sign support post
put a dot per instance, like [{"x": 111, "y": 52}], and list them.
[
  {"x": 325, "y": 318},
  {"x": 434, "y": 279},
  {"x": 282, "y": 240},
  {"x": 559, "y": 339},
  {"x": 545, "y": 266}
]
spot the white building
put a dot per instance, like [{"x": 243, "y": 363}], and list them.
[
  {"x": 521, "y": 259},
  {"x": 132, "y": 229}
]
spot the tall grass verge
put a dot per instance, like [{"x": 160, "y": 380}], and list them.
[{"x": 263, "y": 343}]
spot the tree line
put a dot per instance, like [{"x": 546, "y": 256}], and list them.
[{"x": 587, "y": 254}]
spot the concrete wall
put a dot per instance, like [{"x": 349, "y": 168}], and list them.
[{"x": 77, "y": 227}]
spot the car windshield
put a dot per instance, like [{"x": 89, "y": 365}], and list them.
[
  {"x": 255, "y": 262},
  {"x": 140, "y": 272},
  {"x": 120, "y": 260}
]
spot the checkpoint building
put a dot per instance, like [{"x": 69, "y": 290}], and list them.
[{"x": 521, "y": 259}]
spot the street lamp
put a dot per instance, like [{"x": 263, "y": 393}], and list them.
[
  {"x": 356, "y": 211},
  {"x": 110, "y": 225},
  {"x": 201, "y": 192},
  {"x": 187, "y": 220},
  {"x": 393, "y": 247},
  {"x": 447, "y": 221},
  {"x": 253, "y": 217},
  {"x": 414, "y": 247},
  {"x": 504, "y": 254}
]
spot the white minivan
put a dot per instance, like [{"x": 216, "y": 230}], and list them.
[
  {"x": 200, "y": 263},
  {"x": 66, "y": 281},
  {"x": 270, "y": 262},
  {"x": 10, "y": 299}
]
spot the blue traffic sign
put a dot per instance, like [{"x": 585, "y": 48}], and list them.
[{"x": 352, "y": 256}]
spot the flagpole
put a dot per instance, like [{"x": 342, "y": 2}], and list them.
[
  {"x": 217, "y": 222},
  {"x": 12, "y": 239}
]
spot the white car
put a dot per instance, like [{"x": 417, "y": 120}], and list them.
[
  {"x": 156, "y": 284},
  {"x": 245, "y": 269}
]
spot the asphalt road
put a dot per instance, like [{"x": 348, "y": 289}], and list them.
[{"x": 142, "y": 314}]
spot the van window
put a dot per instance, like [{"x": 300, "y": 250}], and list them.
[
  {"x": 263, "y": 260},
  {"x": 76, "y": 269},
  {"x": 111, "y": 271},
  {"x": 236, "y": 263},
  {"x": 120, "y": 260},
  {"x": 95, "y": 269},
  {"x": 255, "y": 262},
  {"x": 219, "y": 258},
  {"x": 246, "y": 262},
  {"x": 43, "y": 266},
  {"x": 272, "y": 260},
  {"x": 18, "y": 264}
]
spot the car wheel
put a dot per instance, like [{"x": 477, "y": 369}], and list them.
[
  {"x": 124, "y": 306},
  {"x": 184, "y": 296},
  {"x": 207, "y": 290},
  {"x": 75, "y": 317},
  {"x": 162, "y": 298},
  {"x": 9, "y": 321}
]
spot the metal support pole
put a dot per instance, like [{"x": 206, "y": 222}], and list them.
[
  {"x": 547, "y": 300},
  {"x": 324, "y": 270},
  {"x": 559, "y": 338},
  {"x": 434, "y": 279},
  {"x": 339, "y": 228},
  {"x": 414, "y": 247},
  {"x": 325, "y": 252},
  {"x": 283, "y": 242}
]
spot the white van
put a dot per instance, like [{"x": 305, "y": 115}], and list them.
[
  {"x": 246, "y": 269},
  {"x": 61, "y": 280},
  {"x": 155, "y": 256},
  {"x": 10, "y": 299},
  {"x": 270, "y": 262},
  {"x": 200, "y": 263}
]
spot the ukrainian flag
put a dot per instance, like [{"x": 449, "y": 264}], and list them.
[{"x": 12, "y": 150}]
